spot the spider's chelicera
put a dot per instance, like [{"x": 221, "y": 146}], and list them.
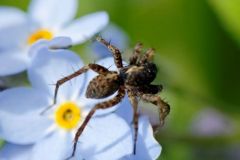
[{"x": 134, "y": 79}]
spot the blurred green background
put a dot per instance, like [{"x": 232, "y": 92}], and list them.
[{"x": 198, "y": 56}]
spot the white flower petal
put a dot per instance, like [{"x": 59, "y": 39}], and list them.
[
  {"x": 14, "y": 36},
  {"x": 106, "y": 137},
  {"x": 85, "y": 27},
  {"x": 15, "y": 152},
  {"x": 147, "y": 146},
  {"x": 13, "y": 62},
  {"x": 53, "y": 13},
  {"x": 20, "y": 119},
  {"x": 60, "y": 43},
  {"x": 11, "y": 16},
  {"x": 125, "y": 110},
  {"x": 55, "y": 43},
  {"x": 56, "y": 146},
  {"x": 49, "y": 66}
]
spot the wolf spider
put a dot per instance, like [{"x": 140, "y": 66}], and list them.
[{"x": 133, "y": 79}]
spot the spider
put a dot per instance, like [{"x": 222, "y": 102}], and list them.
[{"x": 134, "y": 79}]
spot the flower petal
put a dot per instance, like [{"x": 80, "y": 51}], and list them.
[
  {"x": 53, "y": 147},
  {"x": 11, "y": 16},
  {"x": 15, "y": 152},
  {"x": 20, "y": 121},
  {"x": 60, "y": 43},
  {"x": 85, "y": 27},
  {"x": 147, "y": 146},
  {"x": 107, "y": 136},
  {"x": 13, "y": 23},
  {"x": 55, "y": 43},
  {"x": 8, "y": 40},
  {"x": 53, "y": 13},
  {"x": 49, "y": 66},
  {"x": 13, "y": 62}
]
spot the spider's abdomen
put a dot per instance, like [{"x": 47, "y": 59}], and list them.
[
  {"x": 139, "y": 75},
  {"x": 103, "y": 86}
]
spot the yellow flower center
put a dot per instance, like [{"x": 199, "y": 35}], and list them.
[
  {"x": 68, "y": 115},
  {"x": 39, "y": 34}
]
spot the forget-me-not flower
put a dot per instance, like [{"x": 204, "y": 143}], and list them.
[
  {"x": 108, "y": 135},
  {"x": 45, "y": 19}
]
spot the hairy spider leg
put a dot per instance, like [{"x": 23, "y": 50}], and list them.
[
  {"x": 148, "y": 56},
  {"x": 102, "y": 105},
  {"x": 114, "y": 50},
  {"x": 136, "y": 54},
  {"x": 164, "y": 107},
  {"x": 134, "y": 102},
  {"x": 95, "y": 67}
]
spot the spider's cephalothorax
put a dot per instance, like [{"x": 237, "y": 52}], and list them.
[{"x": 134, "y": 79}]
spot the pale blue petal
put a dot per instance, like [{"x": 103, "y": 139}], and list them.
[
  {"x": 11, "y": 16},
  {"x": 56, "y": 146},
  {"x": 53, "y": 13},
  {"x": 60, "y": 43},
  {"x": 20, "y": 121},
  {"x": 85, "y": 27},
  {"x": 55, "y": 43},
  {"x": 13, "y": 23},
  {"x": 15, "y": 152},
  {"x": 107, "y": 137},
  {"x": 147, "y": 147},
  {"x": 49, "y": 66},
  {"x": 14, "y": 36},
  {"x": 116, "y": 36},
  {"x": 125, "y": 110},
  {"x": 13, "y": 62}
]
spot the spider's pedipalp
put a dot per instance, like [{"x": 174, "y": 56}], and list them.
[
  {"x": 136, "y": 54},
  {"x": 148, "y": 56}
]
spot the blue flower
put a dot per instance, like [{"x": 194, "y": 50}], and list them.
[
  {"x": 108, "y": 135},
  {"x": 15, "y": 152},
  {"x": 45, "y": 19}
]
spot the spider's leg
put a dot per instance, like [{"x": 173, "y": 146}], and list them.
[
  {"x": 103, "y": 105},
  {"x": 148, "y": 56},
  {"x": 115, "y": 52},
  {"x": 164, "y": 108},
  {"x": 134, "y": 103},
  {"x": 136, "y": 54},
  {"x": 95, "y": 67}
]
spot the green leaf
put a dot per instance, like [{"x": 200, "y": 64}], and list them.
[
  {"x": 228, "y": 12},
  {"x": 1, "y": 143}
]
